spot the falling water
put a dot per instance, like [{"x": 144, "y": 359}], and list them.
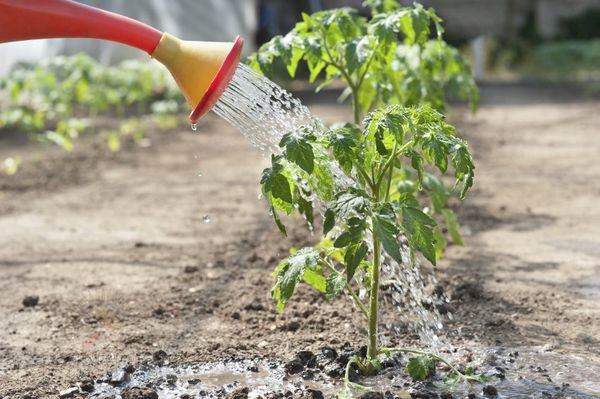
[{"x": 264, "y": 112}]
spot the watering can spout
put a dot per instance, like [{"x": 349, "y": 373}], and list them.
[{"x": 202, "y": 70}]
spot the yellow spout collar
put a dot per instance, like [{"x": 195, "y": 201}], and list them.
[{"x": 193, "y": 64}]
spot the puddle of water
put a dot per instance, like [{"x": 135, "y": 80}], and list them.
[
  {"x": 517, "y": 374},
  {"x": 214, "y": 380}
]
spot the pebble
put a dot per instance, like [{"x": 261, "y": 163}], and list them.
[
  {"x": 31, "y": 300},
  {"x": 68, "y": 393},
  {"x": 490, "y": 391},
  {"x": 241, "y": 393},
  {"x": 139, "y": 393},
  {"x": 118, "y": 377}
]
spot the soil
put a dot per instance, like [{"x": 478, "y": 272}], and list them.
[{"x": 107, "y": 260}]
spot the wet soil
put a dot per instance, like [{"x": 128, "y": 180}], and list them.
[{"x": 126, "y": 271}]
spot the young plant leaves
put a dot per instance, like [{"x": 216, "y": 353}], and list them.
[
  {"x": 420, "y": 367},
  {"x": 386, "y": 229}
]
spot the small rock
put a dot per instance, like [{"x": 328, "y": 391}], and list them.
[
  {"x": 305, "y": 356},
  {"x": 31, "y": 300},
  {"x": 190, "y": 269},
  {"x": 241, "y": 393},
  {"x": 87, "y": 385},
  {"x": 490, "y": 391},
  {"x": 139, "y": 393},
  {"x": 292, "y": 326},
  {"x": 294, "y": 366},
  {"x": 194, "y": 381},
  {"x": 129, "y": 368},
  {"x": 69, "y": 392},
  {"x": 118, "y": 377},
  {"x": 171, "y": 379},
  {"x": 334, "y": 370},
  {"x": 329, "y": 353},
  {"x": 312, "y": 394},
  {"x": 185, "y": 396},
  {"x": 253, "y": 368},
  {"x": 236, "y": 315},
  {"x": 371, "y": 395},
  {"x": 159, "y": 356},
  {"x": 472, "y": 396}
]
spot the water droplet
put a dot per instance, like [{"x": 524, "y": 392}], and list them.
[
  {"x": 200, "y": 174},
  {"x": 206, "y": 219},
  {"x": 194, "y": 127}
]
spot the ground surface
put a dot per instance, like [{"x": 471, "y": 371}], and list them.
[{"x": 117, "y": 249}]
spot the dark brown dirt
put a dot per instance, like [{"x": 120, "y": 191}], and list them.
[{"x": 116, "y": 248}]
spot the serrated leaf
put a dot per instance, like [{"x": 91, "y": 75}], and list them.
[
  {"x": 386, "y": 229},
  {"x": 336, "y": 283},
  {"x": 419, "y": 231},
  {"x": 316, "y": 280},
  {"x": 437, "y": 192},
  {"x": 420, "y": 367},
  {"x": 299, "y": 151},
  {"x": 305, "y": 207},
  {"x": 355, "y": 254},
  {"x": 278, "y": 222},
  {"x": 291, "y": 271},
  {"x": 329, "y": 221},
  {"x": 275, "y": 183},
  {"x": 452, "y": 226}
]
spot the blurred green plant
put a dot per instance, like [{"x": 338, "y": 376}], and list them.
[
  {"x": 56, "y": 101},
  {"x": 569, "y": 57}
]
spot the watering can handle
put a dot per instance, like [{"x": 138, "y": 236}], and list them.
[{"x": 45, "y": 19}]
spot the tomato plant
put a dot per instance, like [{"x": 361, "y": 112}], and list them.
[{"x": 369, "y": 175}]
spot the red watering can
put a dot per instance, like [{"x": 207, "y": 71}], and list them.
[{"x": 202, "y": 70}]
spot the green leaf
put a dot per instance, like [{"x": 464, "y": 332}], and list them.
[
  {"x": 435, "y": 149},
  {"x": 419, "y": 231},
  {"x": 278, "y": 222},
  {"x": 437, "y": 192},
  {"x": 298, "y": 150},
  {"x": 452, "y": 226},
  {"x": 291, "y": 271},
  {"x": 440, "y": 242},
  {"x": 316, "y": 280},
  {"x": 355, "y": 254},
  {"x": 386, "y": 229},
  {"x": 336, "y": 283},
  {"x": 463, "y": 168},
  {"x": 276, "y": 183},
  {"x": 305, "y": 208},
  {"x": 352, "y": 202},
  {"x": 344, "y": 146},
  {"x": 420, "y": 367},
  {"x": 329, "y": 221}
]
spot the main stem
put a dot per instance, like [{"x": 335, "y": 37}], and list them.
[{"x": 373, "y": 349}]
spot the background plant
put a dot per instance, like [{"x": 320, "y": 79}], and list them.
[
  {"x": 57, "y": 100},
  {"x": 382, "y": 158}
]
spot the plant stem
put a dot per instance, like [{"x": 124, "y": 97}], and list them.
[
  {"x": 357, "y": 300},
  {"x": 372, "y": 348},
  {"x": 355, "y": 104}
]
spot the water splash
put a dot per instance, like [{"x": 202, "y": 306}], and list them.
[
  {"x": 206, "y": 219},
  {"x": 194, "y": 127},
  {"x": 263, "y": 112}
]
